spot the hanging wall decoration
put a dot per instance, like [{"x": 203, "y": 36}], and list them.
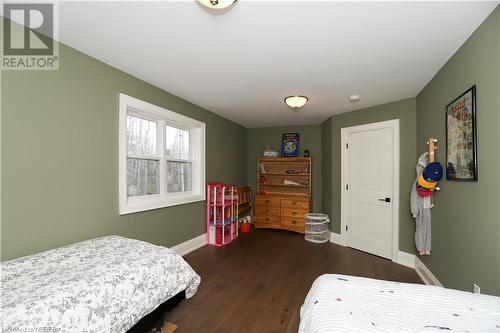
[
  {"x": 461, "y": 144},
  {"x": 290, "y": 143}
]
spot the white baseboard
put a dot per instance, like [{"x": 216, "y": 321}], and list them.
[
  {"x": 190, "y": 245},
  {"x": 425, "y": 273},
  {"x": 406, "y": 259},
  {"x": 412, "y": 261},
  {"x": 335, "y": 238}
]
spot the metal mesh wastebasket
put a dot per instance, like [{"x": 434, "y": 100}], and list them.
[{"x": 316, "y": 228}]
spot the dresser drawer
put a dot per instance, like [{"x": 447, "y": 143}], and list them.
[
  {"x": 267, "y": 210},
  {"x": 290, "y": 203},
  {"x": 274, "y": 202},
  {"x": 267, "y": 219},
  {"x": 298, "y": 221},
  {"x": 294, "y": 212}
]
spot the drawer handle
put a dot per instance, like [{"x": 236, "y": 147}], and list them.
[
  {"x": 294, "y": 222},
  {"x": 267, "y": 218},
  {"x": 267, "y": 201},
  {"x": 294, "y": 202},
  {"x": 267, "y": 210},
  {"x": 294, "y": 213}
]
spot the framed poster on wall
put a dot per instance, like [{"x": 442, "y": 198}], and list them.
[
  {"x": 461, "y": 143},
  {"x": 290, "y": 144}
]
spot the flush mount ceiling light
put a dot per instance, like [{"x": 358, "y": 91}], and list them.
[
  {"x": 296, "y": 101},
  {"x": 217, "y": 4}
]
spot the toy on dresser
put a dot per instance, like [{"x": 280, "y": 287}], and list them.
[{"x": 269, "y": 152}]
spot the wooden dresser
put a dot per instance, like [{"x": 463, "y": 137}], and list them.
[
  {"x": 281, "y": 212},
  {"x": 286, "y": 183}
]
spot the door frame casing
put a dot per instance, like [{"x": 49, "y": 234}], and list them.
[{"x": 394, "y": 125}]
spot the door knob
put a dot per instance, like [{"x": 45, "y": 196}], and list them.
[{"x": 385, "y": 199}]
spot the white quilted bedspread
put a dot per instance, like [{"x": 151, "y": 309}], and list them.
[
  {"x": 340, "y": 303},
  {"x": 100, "y": 285}
]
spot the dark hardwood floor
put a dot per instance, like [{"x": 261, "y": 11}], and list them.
[{"x": 258, "y": 282}]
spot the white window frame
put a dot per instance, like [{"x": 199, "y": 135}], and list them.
[{"x": 135, "y": 107}]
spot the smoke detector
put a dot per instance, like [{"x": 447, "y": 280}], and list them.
[{"x": 354, "y": 98}]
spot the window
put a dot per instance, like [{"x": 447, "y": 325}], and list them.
[
  {"x": 179, "y": 164},
  {"x": 162, "y": 157}
]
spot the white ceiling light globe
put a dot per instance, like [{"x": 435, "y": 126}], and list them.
[
  {"x": 217, "y": 4},
  {"x": 296, "y": 101}
]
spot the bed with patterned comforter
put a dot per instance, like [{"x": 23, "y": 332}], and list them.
[
  {"x": 340, "y": 303},
  {"x": 101, "y": 285}
]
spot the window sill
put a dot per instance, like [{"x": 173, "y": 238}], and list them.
[{"x": 136, "y": 205}]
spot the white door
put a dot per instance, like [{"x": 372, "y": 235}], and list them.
[{"x": 369, "y": 176}]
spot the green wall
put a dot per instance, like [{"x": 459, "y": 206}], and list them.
[
  {"x": 466, "y": 216},
  {"x": 60, "y": 158},
  {"x": 310, "y": 138},
  {"x": 327, "y": 172},
  {"x": 405, "y": 111}
]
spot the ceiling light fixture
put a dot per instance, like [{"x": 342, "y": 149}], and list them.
[
  {"x": 217, "y": 4},
  {"x": 296, "y": 101}
]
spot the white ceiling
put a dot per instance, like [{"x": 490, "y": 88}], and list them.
[{"x": 242, "y": 62}]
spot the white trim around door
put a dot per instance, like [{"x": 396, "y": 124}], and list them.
[{"x": 394, "y": 125}]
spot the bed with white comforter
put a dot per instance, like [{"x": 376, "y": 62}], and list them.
[
  {"x": 340, "y": 303},
  {"x": 101, "y": 285}
]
